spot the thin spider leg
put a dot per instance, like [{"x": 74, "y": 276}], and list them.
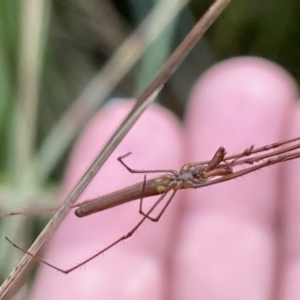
[
  {"x": 249, "y": 151},
  {"x": 245, "y": 153},
  {"x": 142, "y": 199},
  {"x": 122, "y": 238},
  {"x": 35, "y": 211},
  {"x": 252, "y": 150},
  {"x": 251, "y": 160},
  {"x": 291, "y": 156},
  {"x": 120, "y": 159},
  {"x": 156, "y": 219},
  {"x": 28, "y": 212},
  {"x": 269, "y": 162}
]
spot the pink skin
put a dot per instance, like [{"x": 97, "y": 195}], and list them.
[{"x": 220, "y": 242}]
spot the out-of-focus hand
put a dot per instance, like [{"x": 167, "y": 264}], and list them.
[{"x": 235, "y": 240}]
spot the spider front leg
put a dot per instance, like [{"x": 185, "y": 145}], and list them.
[{"x": 120, "y": 159}]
